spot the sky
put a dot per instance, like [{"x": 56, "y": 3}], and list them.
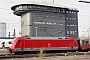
[{"x": 13, "y": 21}]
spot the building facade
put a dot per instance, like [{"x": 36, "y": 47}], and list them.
[
  {"x": 47, "y": 19},
  {"x": 2, "y": 29}
]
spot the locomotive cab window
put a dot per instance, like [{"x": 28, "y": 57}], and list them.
[
  {"x": 19, "y": 41},
  {"x": 87, "y": 42}
]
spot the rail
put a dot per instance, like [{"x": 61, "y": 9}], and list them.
[{"x": 45, "y": 55}]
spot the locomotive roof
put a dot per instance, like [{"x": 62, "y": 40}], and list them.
[
  {"x": 84, "y": 38},
  {"x": 43, "y": 4},
  {"x": 47, "y": 37}
]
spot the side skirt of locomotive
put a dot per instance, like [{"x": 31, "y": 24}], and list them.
[{"x": 46, "y": 49}]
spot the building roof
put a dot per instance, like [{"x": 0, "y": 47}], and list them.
[
  {"x": 3, "y": 22},
  {"x": 44, "y": 4}
]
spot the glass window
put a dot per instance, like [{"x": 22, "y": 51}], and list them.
[
  {"x": 63, "y": 10},
  {"x": 70, "y": 18},
  {"x": 39, "y": 7},
  {"x": 67, "y": 32},
  {"x": 66, "y": 11},
  {"x": 24, "y": 7},
  {"x": 47, "y": 16},
  {"x": 59, "y": 10},
  {"x": 74, "y": 12},
  {"x": 29, "y": 6},
  {"x": 20, "y": 7},
  {"x": 71, "y": 25},
  {"x": 42, "y": 7},
  {"x": 75, "y": 25},
  {"x": 16, "y": 8},
  {"x": 70, "y": 32},
  {"x": 69, "y": 11},
  {"x": 67, "y": 18},
  {"x": 45, "y": 7},
  {"x": 74, "y": 18},
  {"x": 73, "y": 32},
  {"x": 67, "y": 25},
  {"x": 87, "y": 42},
  {"x": 34, "y": 6},
  {"x": 19, "y": 41}
]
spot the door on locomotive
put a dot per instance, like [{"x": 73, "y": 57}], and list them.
[{"x": 21, "y": 46}]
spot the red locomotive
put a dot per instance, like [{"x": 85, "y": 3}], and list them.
[
  {"x": 26, "y": 44},
  {"x": 22, "y": 44}
]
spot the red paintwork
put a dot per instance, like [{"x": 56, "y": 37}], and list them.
[
  {"x": 46, "y": 43},
  {"x": 85, "y": 46}
]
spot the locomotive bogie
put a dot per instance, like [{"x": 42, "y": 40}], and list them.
[{"x": 46, "y": 49}]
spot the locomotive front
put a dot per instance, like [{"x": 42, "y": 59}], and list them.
[{"x": 16, "y": 44}]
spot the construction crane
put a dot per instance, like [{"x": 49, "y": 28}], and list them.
[{"x": 84, "y": 1}]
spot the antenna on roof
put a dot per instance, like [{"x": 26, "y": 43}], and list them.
[
  {"x": 9, "y": 34},
  {"x": 53, "y": 1},
  {"x": 84, "y": 1},
  {"x": 14, "y": 33}
]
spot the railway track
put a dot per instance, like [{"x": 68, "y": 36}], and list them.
[{"x": 5, "y": 56}]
